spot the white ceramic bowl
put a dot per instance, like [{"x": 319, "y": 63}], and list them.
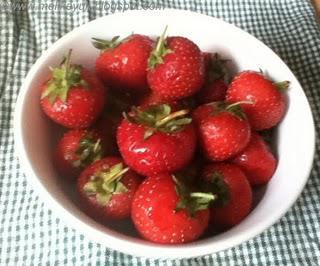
[{"x": 295, "y": 136}]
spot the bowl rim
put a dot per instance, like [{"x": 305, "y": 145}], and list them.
[{"x": 120, "y": 243}]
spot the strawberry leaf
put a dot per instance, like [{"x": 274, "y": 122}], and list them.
[
  {"x": 106, "y": 183},
  {"x": 63, "y": 78},
  {"x": 88, "y": 151},
  {"x": 104, "y": 45},
  {"x": 159, "y": 118},
  {"x": 160, "y": 51},
  {"x": 218, "y": 186},
  {"x": 191, "y": 201}
]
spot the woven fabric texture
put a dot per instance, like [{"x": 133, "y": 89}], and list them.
[{"x": 30, "y": 234}]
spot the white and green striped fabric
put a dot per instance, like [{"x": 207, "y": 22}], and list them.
[{"x": 30, "y": 234}]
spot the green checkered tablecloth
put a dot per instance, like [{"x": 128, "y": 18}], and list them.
[{"x": 30, "y": 234}]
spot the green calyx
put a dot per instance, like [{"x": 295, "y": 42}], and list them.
[
  {"x": 234, "y": 108},
  {"x": 192, "y": 201},
  {"x": 159, "y": 118},
  {"x": 217, "y": 68},
  {"x": 218, "y": 187},
  {"x": 89, "y": 151},
  {"x": 105, "y": 45},
  {"x": 104, "y": 184},
  {"x": 63, "y": 78},
  {"x": 157, "y": 55},
  {"x": 282, "y": 86}
]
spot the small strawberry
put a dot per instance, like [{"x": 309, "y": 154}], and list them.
[
  {"x": 165, "y": 211},
  {"x": 268, "y": 102},
  {"x": 233, "y": 192},
  {"x": 77, "y": 149},
  {"x": 217, "y": 76},
  {"x": 176, "y": 68},
  {"x": 223, "y": 130},
  {"x": 106, "y": 189},
  {"x": 156, "y": 140},
  {"x": 124, "y": 64},
  {"x": 257, "y": 161},
  {"x": 73, "y": 97}
]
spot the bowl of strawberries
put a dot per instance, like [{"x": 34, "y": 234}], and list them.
[{"x": 175, "y": 135}]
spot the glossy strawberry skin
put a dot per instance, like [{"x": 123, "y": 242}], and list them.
[
  {"x": 155, "y": 217},
  {"x": 268, "y": 103},
  {"x": 240, "y": 195},
  {"x": 125, "y": 66},
  {"x": 83, "y": 104},
  {"x": 119, "y": 207},
  {"x": 66, "y": 151},
  {"x": 162, "y": 152},
  {"x": 182, "y": 72},
  {"x": 222, "y": 135},
  {"x": 257, "y": 161}
]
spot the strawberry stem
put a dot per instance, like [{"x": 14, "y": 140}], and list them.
[
  {"x": 111, "y": 178},
  {"x": 160, "y": 43},
  {"x": 96, "y": 146},
  {"x": 283, "y": 85},
  {"x": 171, "y": 117},
  {"x": 63, "y": 78},
  {"x": 208, "y": 196},
  {"x": 104, "y": 184},
  {"x": 230, "y": 106},
  {"x": 160, "y": 51}
]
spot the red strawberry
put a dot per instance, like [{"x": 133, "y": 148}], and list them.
[
  {"x": 124, "y": 65},
  {"x": 77, "y": 149},
  {"x": 257, "y": 161},
  {"x": 156, "y": 140},
  {"x": 234, "y": 194},
  {"x": 217, "y": 75},
  {"x": 268, "y": 103},
  {"x": 106, "y": 189},
  {"x": 165, "y": 211},
  {"x": 73, "y": 97},
  {"x": 223, "y": 131},
  {"x": 176, "y": 68}
]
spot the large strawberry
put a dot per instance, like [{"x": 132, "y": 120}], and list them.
[
  {"x": 233, "y": 192},
  {"x": 165, "y": 211},
  {"x": 257, "y": 161},
  {"x": 124, "y": 64},
  {"x": 223, "y": 130},
  {"x": 156, "y": 140},
  {"x": 106, "y": 189},
  {"x": 217, "y": 76},
  {"x": 77, "y": 149},
  {"x": 72, "y": 97},
  {"x": 176, "y": 68},
  {"x": 268, "y": 102}
]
